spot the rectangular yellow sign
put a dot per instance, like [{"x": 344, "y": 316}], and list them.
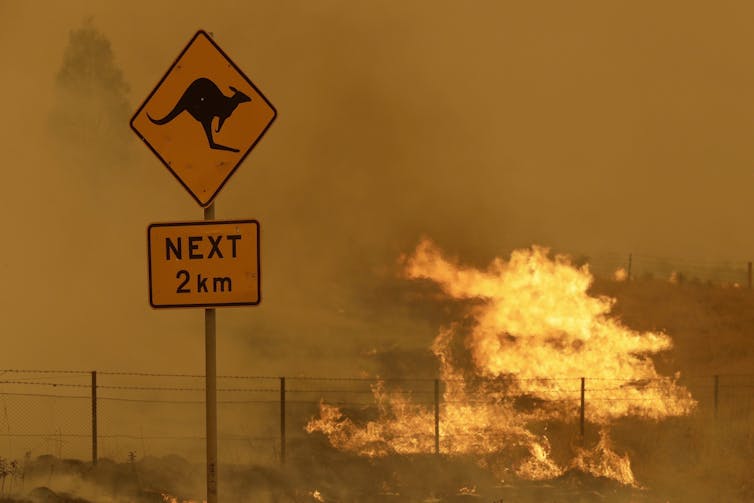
[{"x": 204, "y": 264}]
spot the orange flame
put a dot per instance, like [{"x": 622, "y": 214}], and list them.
[
  {"x": 536, "y": 333},
  {"x": 620, "y": 274},
  {"x": 602, "y": 461},
  {"x": 167, "y": 498}
]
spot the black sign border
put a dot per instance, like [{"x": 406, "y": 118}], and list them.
[
  {"x": 204, "y": 222},
  {"x": 159, "y": 84}
]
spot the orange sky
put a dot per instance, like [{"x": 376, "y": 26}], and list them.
[{"x": 589, "y": 127}]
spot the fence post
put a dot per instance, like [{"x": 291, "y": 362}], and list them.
[
  {"x": 628, "y": 276},
  {"x": 717, "y": 388},
  {"x": 437, "y": 416},
  {"x": 94, "y": 417},
  {"x": 282, "y": 420},
  {"x": 749, "y": 275},
  {"x": 581, "y": 420}
]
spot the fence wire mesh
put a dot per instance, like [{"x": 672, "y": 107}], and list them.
[{"x": 140, "y": 415}]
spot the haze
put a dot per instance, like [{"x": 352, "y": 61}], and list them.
[{"x": 589, "y": 127}]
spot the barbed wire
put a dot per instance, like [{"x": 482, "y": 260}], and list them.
[
  {"x": 468, "y": 398},
  {"x": 347, "y": 378},
  {"x": 55, "y": 435},
  {"x": 44, "y": 395},
  {"x": 135, "y": 388},
  {"x": 638, "y": 383},
  {"x": 53, "y": 384},
  {"x": 171, "y": 412},
  {"x": 33, "y": 371}
]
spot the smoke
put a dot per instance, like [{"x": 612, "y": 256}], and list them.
[
  {"x": 461, "y": 124},
  {"x": 585, "y": 128}
]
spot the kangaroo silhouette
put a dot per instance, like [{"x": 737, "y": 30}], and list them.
[{"x": 204, "y": 101}]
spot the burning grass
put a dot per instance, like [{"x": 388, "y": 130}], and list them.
[
  {"x": 535, "y": 331},
  {"x": 650, "y": 436}
]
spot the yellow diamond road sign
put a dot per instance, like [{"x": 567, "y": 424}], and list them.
[
  {"x": 204, "y": 264},
  {"x": 203, "y": 118}
]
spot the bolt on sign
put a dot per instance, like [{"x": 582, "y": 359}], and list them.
[
  {"x": 203, "y": 118},
  {"x": 209, "y": 263}
]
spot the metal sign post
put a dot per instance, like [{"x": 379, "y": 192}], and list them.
[
  {"x": 202, "y": 120},
  {"x": 210, "y": 375}
]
